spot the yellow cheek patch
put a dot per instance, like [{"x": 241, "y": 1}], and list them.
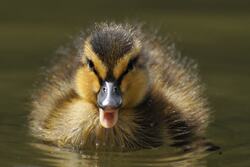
[
  {"x": 90, "y": 54},
  {"x": 134, "y": 87},
  {"x": 123, "y": 62},
  {"x": 87, "y": 84}
]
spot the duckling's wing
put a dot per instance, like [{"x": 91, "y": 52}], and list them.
[
  {"x": 55, "y": 84},
  {"x": 177, "y": 79}
]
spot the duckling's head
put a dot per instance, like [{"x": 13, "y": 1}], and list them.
[{"x": 113, "y": 75}]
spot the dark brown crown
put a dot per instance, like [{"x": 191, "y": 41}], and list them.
[{"x": 111, "y": 41}]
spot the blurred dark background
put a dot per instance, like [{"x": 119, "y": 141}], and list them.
[{"x": 214, "y": 33}]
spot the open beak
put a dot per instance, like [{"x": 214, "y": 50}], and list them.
[{"x": 109, "y": 100}]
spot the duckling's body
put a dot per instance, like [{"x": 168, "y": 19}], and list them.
[{"x": 155, "y": 99}]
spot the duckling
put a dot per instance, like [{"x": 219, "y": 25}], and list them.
[{"x": 118, "y": 88}]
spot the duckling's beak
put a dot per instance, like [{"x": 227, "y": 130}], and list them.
[{"x": 109, "y": 100}]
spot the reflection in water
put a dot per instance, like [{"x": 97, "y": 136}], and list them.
[{"x": 154, "y": 157}]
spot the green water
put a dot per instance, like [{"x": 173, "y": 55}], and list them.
[{"x": 215, "y": 34}]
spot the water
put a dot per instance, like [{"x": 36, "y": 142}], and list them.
[{"x": 215, "y": 34}]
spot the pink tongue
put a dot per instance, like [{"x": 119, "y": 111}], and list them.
[{"x": 108, "y": 117}]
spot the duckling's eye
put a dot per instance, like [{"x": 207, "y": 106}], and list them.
[
  {"x": 90, "y": 64},
  {"x": 91, "y": 67},
  {"x": 130, "y": 67},
  {"x": 131, "y": 64}
]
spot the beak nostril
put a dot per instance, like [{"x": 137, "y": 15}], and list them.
[
  {"x": 104, "y": 89},
  {"x": 115, "y": 89}
]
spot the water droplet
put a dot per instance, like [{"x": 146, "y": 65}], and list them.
[{"x": 97, "y": 144}]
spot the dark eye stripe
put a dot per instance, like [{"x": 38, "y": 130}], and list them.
[
  {"x": 91, "y": 66},
  {"x": 130, "y": 67}
]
